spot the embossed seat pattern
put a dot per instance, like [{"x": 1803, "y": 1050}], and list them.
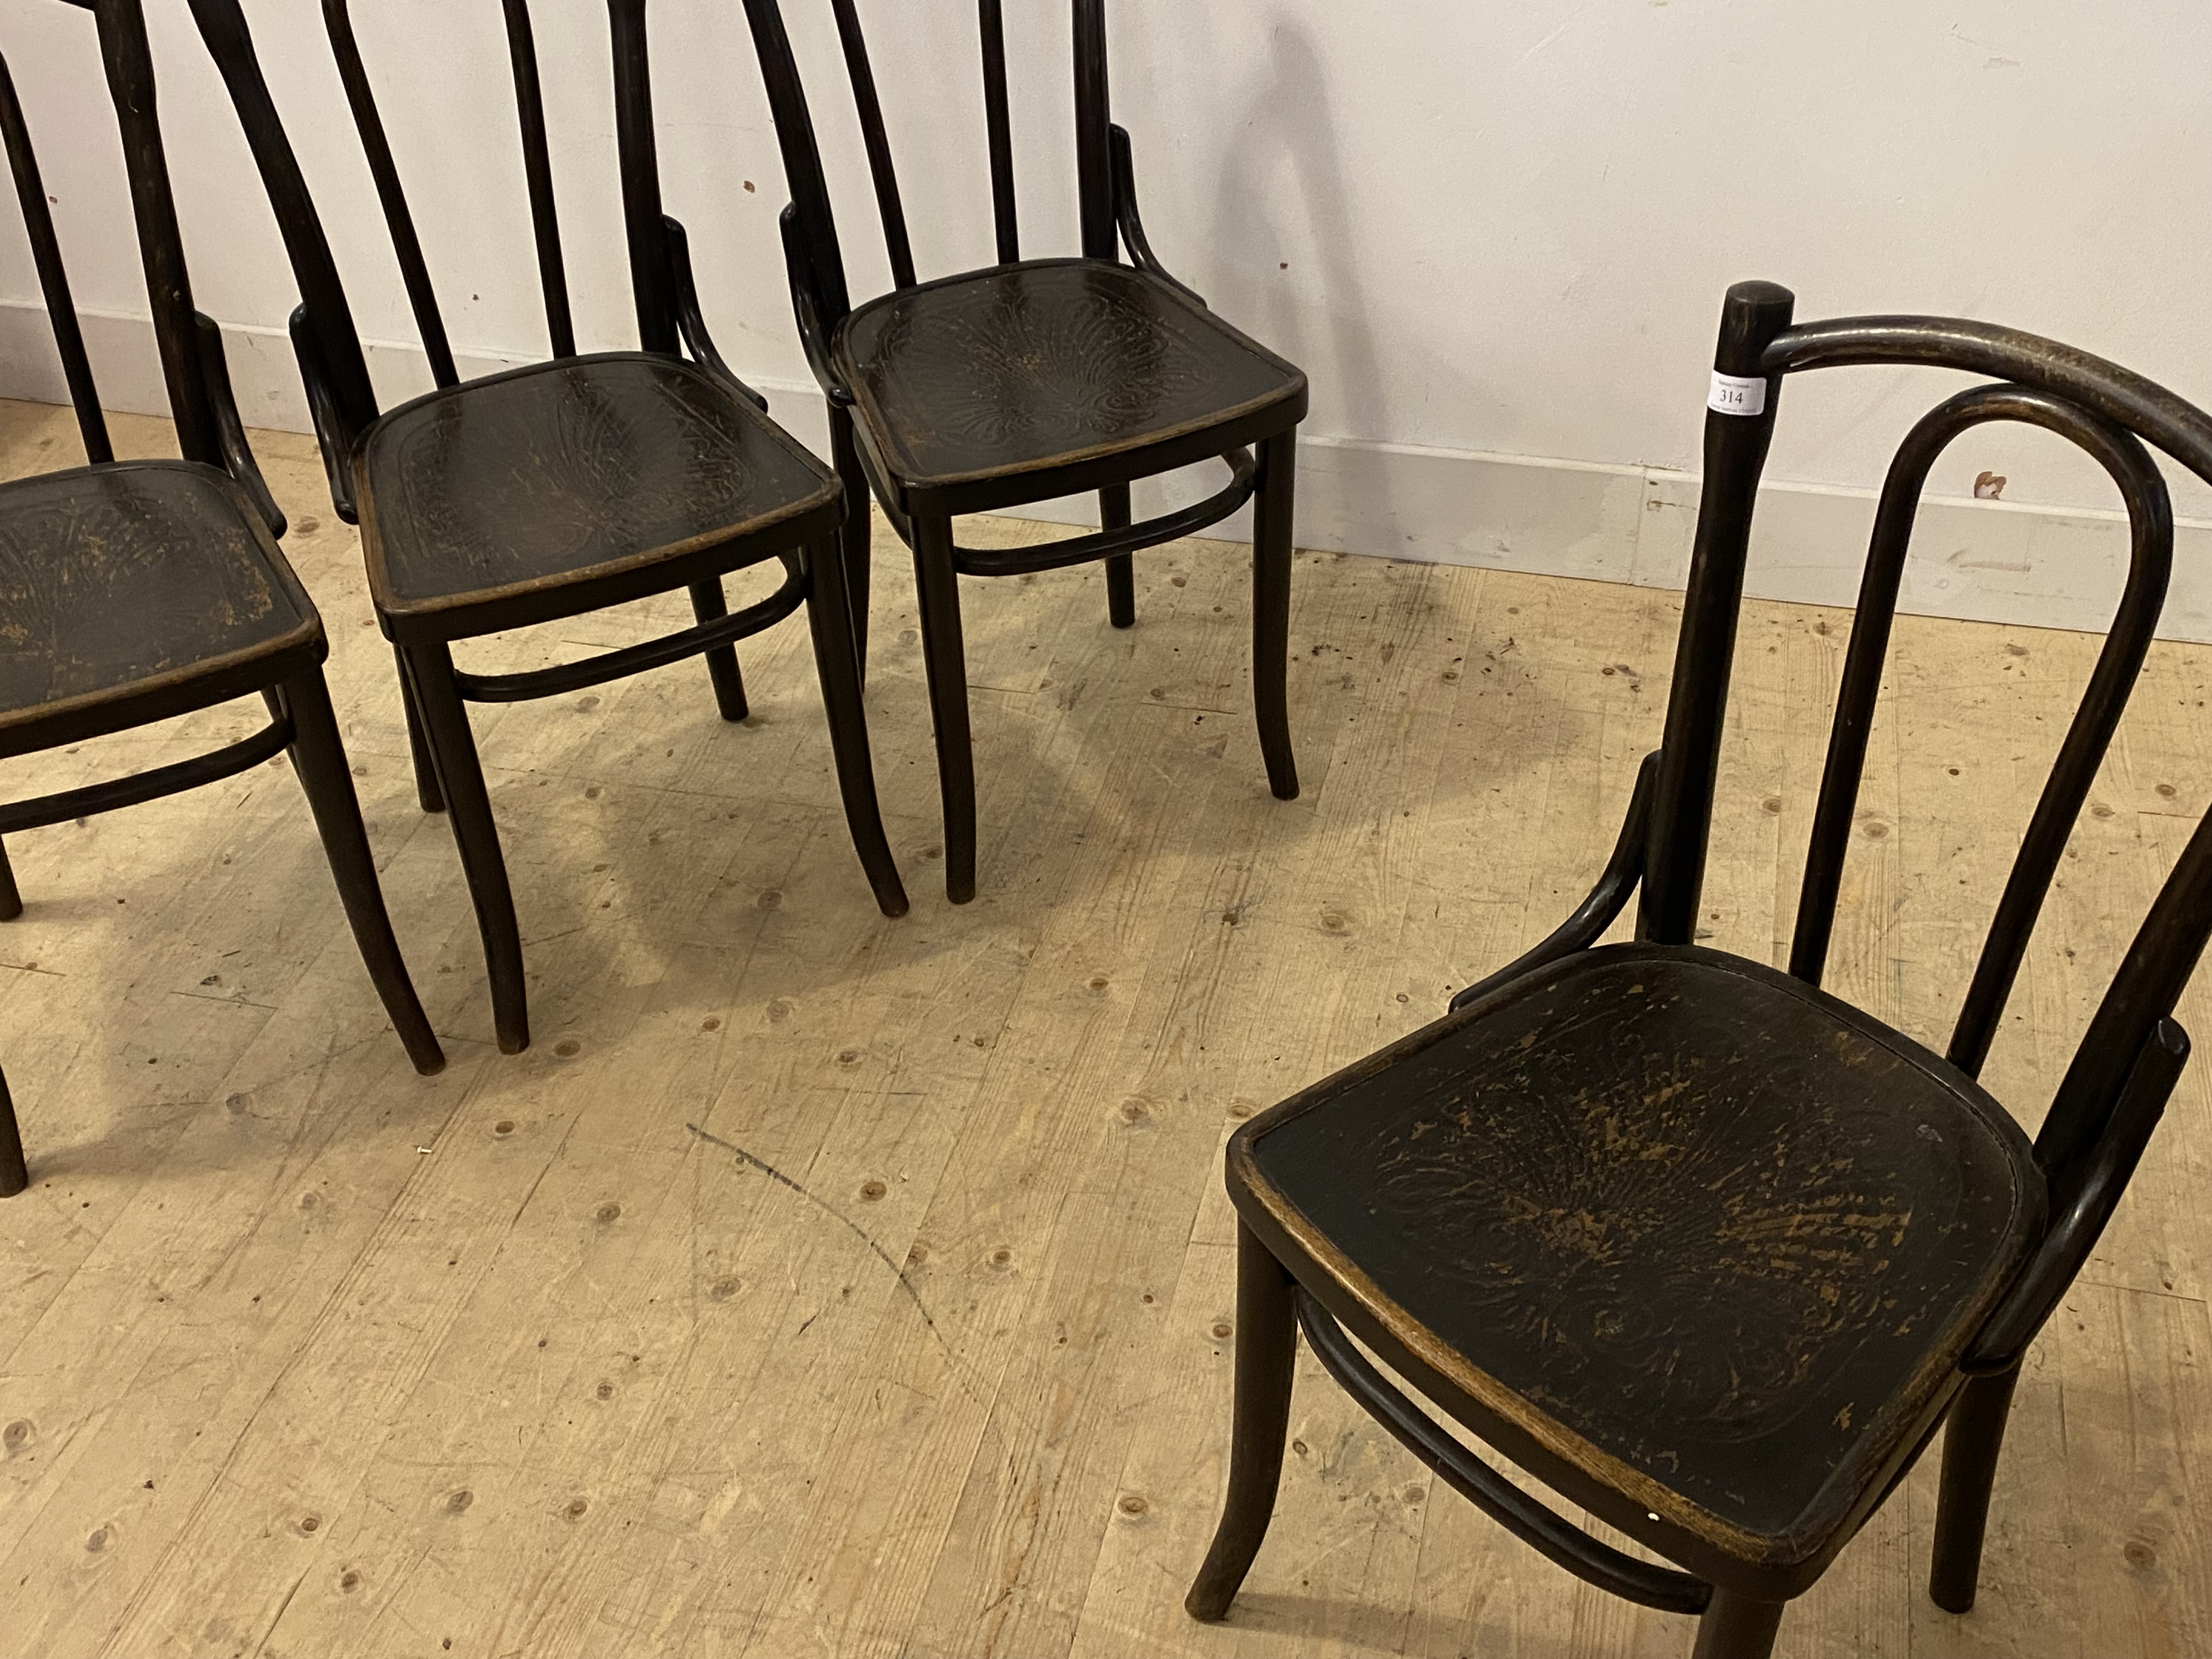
[
  {"x": 1712, "y": 1223},
  {"x": 565, "y": 470},
  {"x": 1032, "y": 365},
  {"x": 117, "y": 575}
]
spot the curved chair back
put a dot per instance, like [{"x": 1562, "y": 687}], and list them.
[
  {"x": 2132, "y": 1052},
  {"x": 809, "y": 221},
  {"x": 183, "y": 336},
  {"x": 323, "y": 331}
]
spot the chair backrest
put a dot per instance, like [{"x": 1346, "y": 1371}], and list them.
[
  {"x": 323, "y": 328},
  {"x": 2110, "y": 413},
  {"x": 814, "y": 223},
  {"x": 121, "y": 28}
]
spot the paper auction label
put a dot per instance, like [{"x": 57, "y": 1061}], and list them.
[{"x": 1732, "y": 394}]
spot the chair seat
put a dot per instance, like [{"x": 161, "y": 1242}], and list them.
[
  {"x": 134, "y": 590},
  {"x": 568, "y": 485},
  {"x": 997, "y": 375},
  {"x": 1703, "y": 1232}
]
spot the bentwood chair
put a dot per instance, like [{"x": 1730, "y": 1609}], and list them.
[
  {"x": 1707, "y": 1250},
  {"x": 1029, "y": 380},
  {"x": 134, "y": 591},
  {"x": 558, "y": 488}
]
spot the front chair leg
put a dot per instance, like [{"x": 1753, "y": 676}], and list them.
[
  {"x": 1272, "y": 506},
  {"x": 709, "y": 605},
  {"x": 1267, "y": 1349},
  {"x": 944, "y": 660},
  {"x": 1121, "y": 567},
  {"x": 468, "y": 806},
  {"x": 319, "y": 760},
  {"x": 11, "y": 900},
  {"x": 13, "y": 1177},
  {"x": 1736, "y": 1627},
  {"x": 1973, "y": 1435},
  {"x": 427, "y": 793},
  {"x": 829, "y": 617}
]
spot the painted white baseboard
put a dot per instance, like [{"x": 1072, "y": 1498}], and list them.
[{"x": 2031, "y": 566}]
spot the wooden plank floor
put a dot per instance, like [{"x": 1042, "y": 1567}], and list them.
[{"x": 822, "y": 1284}]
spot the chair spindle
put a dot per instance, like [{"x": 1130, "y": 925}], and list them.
[
  {"x": 1094, "y": 167},
  {"x": 53, "y": 280},
  {"x": 538, "y": 168},
  {"x": 872, "y": 134},
  {"x": 998, "y": 118},
  {"x": 406, "y": 245}
]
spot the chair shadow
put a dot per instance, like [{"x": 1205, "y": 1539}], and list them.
[{"x": 1382, "y": 1630}]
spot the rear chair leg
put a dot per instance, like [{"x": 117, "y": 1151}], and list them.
[
  {"x": 1973, "y": 1435},
  {"x": 1121, "y": 567},
  {"x": 427, "y": 793},
  {"x": 1272, "y": 506},
  {"x": 855, "y": 536},
  {"x": 11, "y": 902},
  {"x": 319, "y": 759},
  {"x": 1266, "y": 1349},
  {"x": 709, "y": 605}
]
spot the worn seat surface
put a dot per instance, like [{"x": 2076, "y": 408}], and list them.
[
  {"x": 583, "y": 471},
  {"x": 123, "y": 584},
  {"x": 1023, "y": 368},
  {"x": 1697, "y": 1227}
]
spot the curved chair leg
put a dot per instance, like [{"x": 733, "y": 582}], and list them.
[
  {"x": 830, "y": 616},
  {"x": 1973, "y": 1435},
  {"x": 11, "y": 900},
  {"x": 1121, "y": 567},
  {"x": 945, "y": 658},
  {"x": 468, "y": 805},
  {"x": 1267, "y": 1349},
  {"x": 707, "y": 602},
  {"x": 13, "y": 1177},
  {"x": 1736, "y": 1627},
  {"x": 427, "y": 792},
  {"x": 319, "y": 758},
  {"x": 1272, "y": 506},
  {"x": 855, "y": 536}
]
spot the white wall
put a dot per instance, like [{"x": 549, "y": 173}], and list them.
[{"x": 1496, "y": 236}]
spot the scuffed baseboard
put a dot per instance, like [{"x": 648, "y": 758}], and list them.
[{"x": 1983, "y": 560}]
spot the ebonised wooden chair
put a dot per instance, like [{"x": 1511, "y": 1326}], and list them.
[
  {"x": 133, "y": 590},
  {"x": 558, "y": 488},
  {"x": 1029, "y": 380},
  {"x": 1710, "y": 1253}
]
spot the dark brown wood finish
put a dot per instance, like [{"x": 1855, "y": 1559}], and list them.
[
  {"x": 1026, "y": 380},
  {"x": 557, "y": 488},
  {"x": 1709, "y": 1252},
  {"x": 135, "y": 591}
]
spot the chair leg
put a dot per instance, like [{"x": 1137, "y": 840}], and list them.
[
  {"x": 319, "y": 759},
  {"x": 1121, "y": 567},
  {"x": 427, "y": 793},
  {"x": 1737, "y": 1627},
  {"x": 1272, "y": 508},
  {"x": 830, "y": 616},
  {"x": 945, "y": 658},
  {"x": 1267, "y": 1349},
  {"x": 708, "y": 603},
  {"x": 460, "y": 773},
  {"x": 855, "y": 537},
  {"x": 1973, "y": 1435},
  {"x": 14, "y": 1176},
  {"x": 11, "y": 900}
]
